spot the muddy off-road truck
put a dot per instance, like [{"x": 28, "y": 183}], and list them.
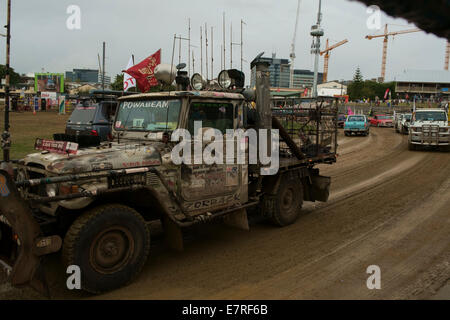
[{"x": 94, "y": 203}]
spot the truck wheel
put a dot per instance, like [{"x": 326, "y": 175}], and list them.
[
  {"x": 288, "y": 203},
  {"x": 110, "y": 244},
  {"x": 346, "y": 133}
]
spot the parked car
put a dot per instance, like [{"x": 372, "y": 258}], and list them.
[
  {"x": 382, "y": 120},
  {"x": 356, "y": 124},
  {"x": 92, "y": 119},
  {"x": 341, "y": 120}
]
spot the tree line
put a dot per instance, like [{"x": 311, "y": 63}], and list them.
[{"x": 368, "y": 89}]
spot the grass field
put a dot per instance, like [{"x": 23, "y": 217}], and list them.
[{"x": 26, "y": 127}]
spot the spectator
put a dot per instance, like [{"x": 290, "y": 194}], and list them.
[{"x": 43, "y": 105}]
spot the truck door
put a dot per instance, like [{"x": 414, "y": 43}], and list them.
[{"x": 208, "y": 187}]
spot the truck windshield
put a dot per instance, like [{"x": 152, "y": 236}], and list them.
[
  {"x": 148, "y": 115},
  {"x": 356, "y": 118},
  {"x": 407, "y": 117},
  {"x": 384, "y": 118},
  {"x": 430, "y": 116},
  {"x": 82, "y": 114}
]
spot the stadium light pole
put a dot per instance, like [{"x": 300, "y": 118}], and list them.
[{"x": 6, "y": 142}]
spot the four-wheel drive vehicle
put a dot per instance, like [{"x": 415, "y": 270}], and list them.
[
  {"x": 91, "y": 118},
  {"x": 96, "y": 203},
  {"x": 397, "y": 120},
  {"x": 429, "y": 127},
  {"x": 356, "y": 124},
  {"x": 405, "y": 122},
  {"x": 381, "y": 120}
]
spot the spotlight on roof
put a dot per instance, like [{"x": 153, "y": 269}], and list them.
[{"x": 231, "y": 78}]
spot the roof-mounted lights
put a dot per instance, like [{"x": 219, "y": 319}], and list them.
[
  {"x": 232, "y": 78},
  {"x": 198, "y": 82}
]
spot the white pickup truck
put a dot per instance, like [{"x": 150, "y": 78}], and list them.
[{"x": 429, "y": 127}]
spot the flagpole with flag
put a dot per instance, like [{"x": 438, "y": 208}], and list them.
[
  {"x": 143, "y": 72},
  {"x": 128, "y": 81}
]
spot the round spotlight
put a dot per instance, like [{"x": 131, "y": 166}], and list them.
[
  {"x": 197, "y": 82},
  {"x": 224, "y": 79}
]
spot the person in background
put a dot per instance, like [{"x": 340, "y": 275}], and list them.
[{"x": 43, "y": 105}]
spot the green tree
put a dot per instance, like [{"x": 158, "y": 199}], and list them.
[
  {"x": 118, "y": 83},
  {"x": 14, "y": 76},
  {"x": 356, "y": 87}
]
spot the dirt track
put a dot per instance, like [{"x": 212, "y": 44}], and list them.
[{"x": 389, "y": 207}]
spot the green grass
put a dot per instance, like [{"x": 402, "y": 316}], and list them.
[{"x": 26, "y": 127}]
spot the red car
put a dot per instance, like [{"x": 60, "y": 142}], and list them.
[{"x": 382, "y": 120}]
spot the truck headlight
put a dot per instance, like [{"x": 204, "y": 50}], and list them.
[{"x": 51, "y": 190}]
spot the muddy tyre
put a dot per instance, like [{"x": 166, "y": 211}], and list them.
[
  {"x": 110, "y": 244},
  {"x": 288, "y": 203}
]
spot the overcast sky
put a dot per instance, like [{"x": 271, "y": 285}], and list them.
[{"x": 41, "y": 40}]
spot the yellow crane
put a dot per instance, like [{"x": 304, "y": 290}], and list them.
[
  {"x": 327, "y": 57},
  {"x": 386, "y": 34}
]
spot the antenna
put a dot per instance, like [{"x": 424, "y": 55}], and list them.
[
  {"x": 224, "y": 46},
  {"x": 231, "y": 45},
  {"x": 212, "y": 53},
  {"x": 189, "y": 46},
  {"x": 206, "y": 50},
  {"x": 242, "y": 45},
  {"x": 193, "y": 62},
  {"x": 179, "y": 50},
  {"x": 103, "y": 71},
  {"x": 201, "y": 51},
  {"x": 99, "y": 63}
]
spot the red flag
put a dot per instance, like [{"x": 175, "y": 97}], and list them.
[
  {"x": 143, "y": 71},
  {"x": 386, "y": 93}
]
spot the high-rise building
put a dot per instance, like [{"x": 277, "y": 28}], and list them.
[
  {"x": 83, "y": 76},
  {"x": 305, "y": 78},
  {"x": 280, "y": 70}
]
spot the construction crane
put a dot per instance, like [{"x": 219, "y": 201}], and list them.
[
  {"x": 385, "y": 42},
  {"x": 327, "y": 57},
  {"x": 447, "y": 55},
  {"x": 292, "y": 55}
]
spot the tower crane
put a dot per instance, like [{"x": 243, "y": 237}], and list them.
[
  {"x": 292, "y": 55},
  {"x": 327, "y": 57},
  {"x": 447, "y": 55},
  {"x": 386, "y": 34}
]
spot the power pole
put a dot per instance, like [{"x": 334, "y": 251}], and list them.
[{"x": 6, "y": 142}]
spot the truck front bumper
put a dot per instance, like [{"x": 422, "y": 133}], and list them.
[
  {"x": 21, "y": 241},
  {"x": 432, "y": 136}
]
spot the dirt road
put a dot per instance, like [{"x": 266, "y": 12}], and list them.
[{"x": 389, "y": 207}]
